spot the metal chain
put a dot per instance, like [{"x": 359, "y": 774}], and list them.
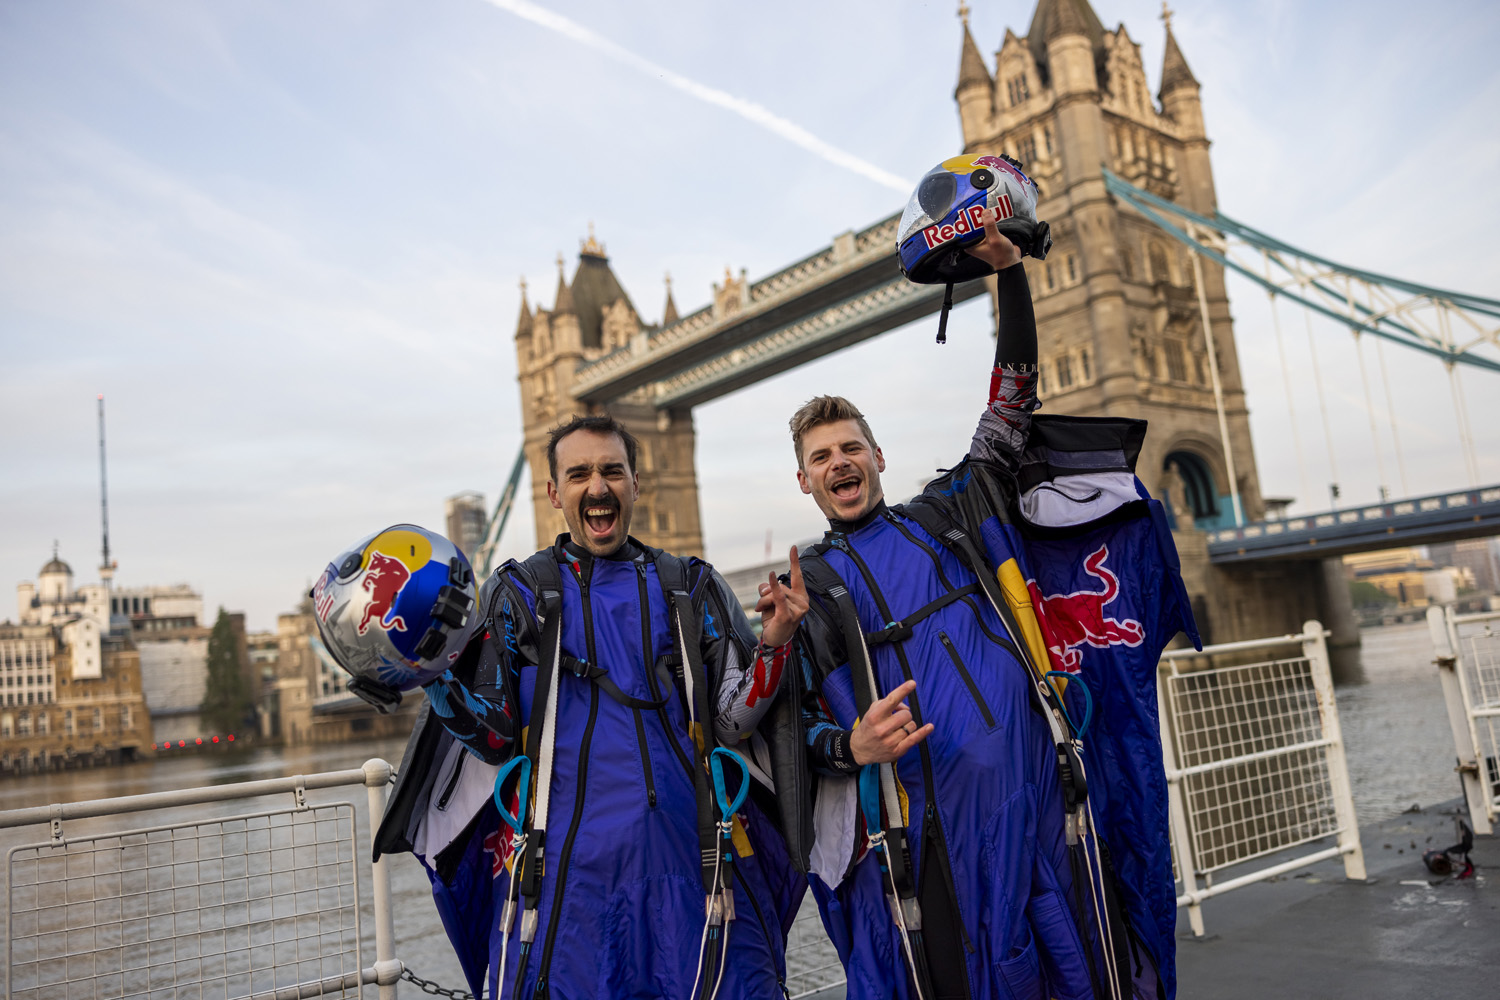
[{"x": 433, "y": 989}]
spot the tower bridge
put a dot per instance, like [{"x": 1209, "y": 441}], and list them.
[{"x": 1132, "y": 314}]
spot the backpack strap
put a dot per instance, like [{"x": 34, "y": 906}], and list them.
[
  {"x": 672, "y": 575},
  {"x": 541, "y": 738},
  {"x": 716, "y": 861}
]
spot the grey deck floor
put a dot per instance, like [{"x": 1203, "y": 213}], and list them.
[{"x": 1316, "y": 935}]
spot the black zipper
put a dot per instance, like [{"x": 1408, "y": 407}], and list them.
[
  {"x": 640, "y": 735},
  {"x": 458, "y": 769},
  {"x": 649, "y": 665},
  {"x": 926, "y": 756},
  {"x": 583, "y": 775},
  {"x": 937, "y": 564},
  {"x": 984, "y": 710}
]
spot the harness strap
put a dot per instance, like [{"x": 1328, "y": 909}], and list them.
[
  {"x": 956, "y": 540},
  {"x": 889, "y": 835},
  {"x": 600, "y": 676},
  {"x": 901, "y": 631}
]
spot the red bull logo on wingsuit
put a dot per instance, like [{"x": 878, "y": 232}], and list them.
[
  {"x": 1070, "y": 620},
  {"x": 384, "y": 578}
]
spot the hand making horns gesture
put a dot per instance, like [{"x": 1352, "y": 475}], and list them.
[
  {"x": 887, "y": 731},
  {"x": 782, "y": 607}
]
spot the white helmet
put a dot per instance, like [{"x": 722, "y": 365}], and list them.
[{"x": 392, "y": 611}]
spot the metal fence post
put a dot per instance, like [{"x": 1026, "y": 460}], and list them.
[
  {"x": 1315, "y": 648},
  {"x": 1445, "y": 647},
  {"x": 1182, "y": 843},
  {"x": 387, "y": 968}
]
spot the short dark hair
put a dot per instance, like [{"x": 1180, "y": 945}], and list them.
[
  {"x": 822, "y": 410},
  {"x": 601, "y": 423}
]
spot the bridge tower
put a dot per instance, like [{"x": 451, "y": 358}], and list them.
[
  {"x": 1118, "y": 313},
  {"x": 591, "y": 316},
  {"x": 1117, "y": 308}
]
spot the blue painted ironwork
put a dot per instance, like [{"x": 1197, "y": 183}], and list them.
[
  {"x": 1440, "y": 517},
  {"x": 1360, "y": 318}
]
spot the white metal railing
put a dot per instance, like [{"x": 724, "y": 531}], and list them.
[
  {"x": 254, "y": 906},
  {"x": 1467, "y": 651},
  {"x": 1255, "y": 764}
]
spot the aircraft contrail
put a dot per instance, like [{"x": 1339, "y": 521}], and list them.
[{"x": 748, "y": 110}]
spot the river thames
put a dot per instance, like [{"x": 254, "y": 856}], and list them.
[{"x": 1395, "y": 728}]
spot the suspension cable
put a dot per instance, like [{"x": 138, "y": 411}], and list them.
[
  {"x": 1333, "y": 465},
  {"x": 1213, "y": 368},
  {"x": 1364, "y": 379},
  {"x": 1390, "y": 404},
  {"x": 1286, "y": 385}
]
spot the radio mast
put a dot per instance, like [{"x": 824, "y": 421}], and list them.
[{"x": 106, "y": 568}]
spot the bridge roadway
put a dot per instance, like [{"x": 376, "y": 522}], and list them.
[
  {"x": 846, "y": 292},
  {"x": 1442, "y": 517}
]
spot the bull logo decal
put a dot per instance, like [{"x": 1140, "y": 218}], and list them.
[{"x": 1069, "y": 621}]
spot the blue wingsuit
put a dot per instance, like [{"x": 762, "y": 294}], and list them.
[
  {"x": 621, "y": 902},
  {"x": 967, "y": 590}
]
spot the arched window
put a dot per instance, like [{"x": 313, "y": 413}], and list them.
[{"x": 1199, "y": 492}]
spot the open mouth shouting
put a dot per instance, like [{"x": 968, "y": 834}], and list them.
[
  {"x": 600, "y": 516},
  {"x": 846, "y": 488}
]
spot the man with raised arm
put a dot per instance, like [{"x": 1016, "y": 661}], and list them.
[
  {"x": 609, "y": 673},
  {"x": 968, "y": 835}
]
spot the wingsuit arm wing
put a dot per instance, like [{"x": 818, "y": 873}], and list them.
[
  {"x": 1003, "y": 427},
  {"x": 475, "y": 699},
  {"x": 819, "y": 652}
]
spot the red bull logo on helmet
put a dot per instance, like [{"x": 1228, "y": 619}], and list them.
[
  {"x": 1070, "y": 621},
  {"x": 968, "y": 221},
  {"x": 383, "y": 580}
]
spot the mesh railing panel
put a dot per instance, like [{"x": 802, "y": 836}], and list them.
[
  {"x": 811, "y": 963},
  {"x": 1480, "y": 658},
  {"x": 1256, "y": 785},
  {"x": 202, "y": 911}
]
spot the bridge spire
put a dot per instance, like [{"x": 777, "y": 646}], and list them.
[
  {"x": 669, "y": 311},
  {"x": 523, "y": 323},
  {"x": 563, "y": 304},
  {"x": 972, "y": 71},
  {"x": 1175, "y": 74}
]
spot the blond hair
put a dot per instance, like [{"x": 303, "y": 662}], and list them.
[{"x": 822, "y": 410}]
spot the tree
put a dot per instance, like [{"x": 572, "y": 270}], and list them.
[
  {"x": 1363, "y": 593},
  {"x": 226, "y": 699}
]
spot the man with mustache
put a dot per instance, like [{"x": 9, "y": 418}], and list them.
[
  {"x": 952, "y": 853},
  {"x": 614, "y": 670}
]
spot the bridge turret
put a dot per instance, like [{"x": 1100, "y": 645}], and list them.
[{"x": 976, "y": 90}]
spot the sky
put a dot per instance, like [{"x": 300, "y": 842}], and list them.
[{"x": 285, "y": 240}]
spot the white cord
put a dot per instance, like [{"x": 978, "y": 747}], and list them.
[
  {"x": 517, "y": 847},
  {"x": 723, "y": 962},
  {"x": 707, "y": 923}
]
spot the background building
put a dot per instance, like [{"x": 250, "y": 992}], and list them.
[
  {"x": 71, "y": 690},
  {"x": 463, "y": 514}
]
